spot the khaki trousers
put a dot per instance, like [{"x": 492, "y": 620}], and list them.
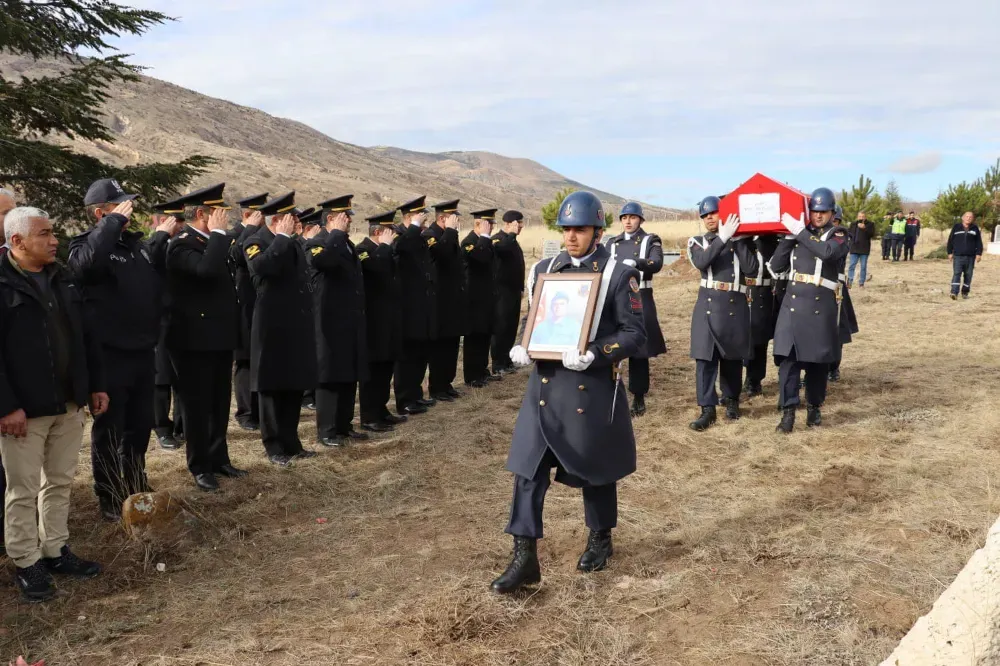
[{"x": 40, "y": 469}]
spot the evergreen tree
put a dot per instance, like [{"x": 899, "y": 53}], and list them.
[
  {"x": 951, "y": 204},
  {"x": 863, "y": 197},
  {"x": 68, "y": 105},
  {"x": 550, "y": 211},
  {"x": 892, "y": 198}
]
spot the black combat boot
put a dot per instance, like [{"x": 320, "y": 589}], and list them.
[
  {"x": 787, "y": 420},
  {"x": 733, "y": 409},
  {"x": 523, "y": 568},
  {"x": 706, "y": 419},
  {"x": 834, "y": 375},
  {"x": 599, "y": 549},
  {"x": 638, "y": 405},
  {"x": 813, "y": 417},
  {"x": 755, "y": 390}
]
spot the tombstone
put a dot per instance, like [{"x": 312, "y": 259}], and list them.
[
  {"x": 670, "y": 257},
  {"x": 550, "y": 248},
  {"x": 994, "y": 247}
]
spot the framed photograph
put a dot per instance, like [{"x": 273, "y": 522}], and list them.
[{"x": 561, "y": 315}]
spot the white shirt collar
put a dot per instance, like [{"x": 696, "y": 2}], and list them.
[
  {"x": 578, "y": 262},
  {"x": 200, "y": 231}
]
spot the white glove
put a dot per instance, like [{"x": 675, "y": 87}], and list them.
[
  {"x": 573, "y": 361},
  {"x": 519, "y": 356},
  {"x": 728, "y": 228},
  {"x": 629, "y": 262},
  {"x": 795, "y": 226}
]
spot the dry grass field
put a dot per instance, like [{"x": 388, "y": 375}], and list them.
[{"x": 735, "y": 547}]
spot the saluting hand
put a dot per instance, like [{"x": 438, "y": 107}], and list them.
[
  {"x": 451, "y": 222},
  {"x": 341, "y": 222},
  {"x": 285, "y": 225},
  {"x": 386, "y": 236},
  {"x": 99, "y": 403},
  {"x": 255, "y": 220},
  {"x": 219, "y": 219},
  {"x": 124, "y": 209},
  {"x": 170, "y": 226}
]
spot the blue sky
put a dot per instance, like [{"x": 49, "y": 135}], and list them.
[{"x": 659, "y": 100}]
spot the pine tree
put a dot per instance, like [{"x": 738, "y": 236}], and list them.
[
  {"x": 951, "y": 204},
  {"x": 892, "y": 198},
  {"x": 550, "y": 211},
  {"x": 68, "y": 105}
]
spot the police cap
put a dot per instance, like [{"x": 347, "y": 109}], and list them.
[
  {"x": 208, "y": 196},
  {"x": 447, "y": 207},
  {"x": 279, "y": 205},
  {"x": 254, "y": 202},
  {"x": 106, "y": 191},
  {"x": 340, "y": 204},
  {"x": 415, "y": 206}
]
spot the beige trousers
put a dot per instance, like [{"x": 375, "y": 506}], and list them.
[{"x": 40, "y": 469}]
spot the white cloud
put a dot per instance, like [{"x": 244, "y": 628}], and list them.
[{"x": 922, "y": 163}]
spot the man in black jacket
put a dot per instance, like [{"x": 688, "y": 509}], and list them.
[
  {"x": 339, "y": 302},
  {"x": 451, "y": 300},
  {"x": 169, "y": 432},
  {"x": 282, "y": 342},
  {"x": 965, "y": 249},
  {"x": 203, "y": 330},
  {"x": 122, "y": 280},
  {"x": 861, "y": 233},
  {"x": 480, "y": 270},
  {"x": 419, "y": 321},
  {"x": 382, "y": 321},
  {"x": 510, "y": 288},
  {"x": 41, "y": 404},
  {"x": 247, "y": 410}
]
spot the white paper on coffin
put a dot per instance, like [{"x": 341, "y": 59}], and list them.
[{"x": 757, "y": 208}]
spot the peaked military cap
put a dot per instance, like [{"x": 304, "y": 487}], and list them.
[
  {"x": 447, "y": 207},
  {"x": 513, "y": 216},
  {"x": 254, "y": 202},
  {"x": 209, "y": 196},
  {"x": 386, "y": 218},
  {"x": 338, "y": 204},
  {"x": 310, "y": 216},
  {"x": 303, "y": 212},
  {"x": 415, "y": 206},
  {"x": 488, "y": 214},
  {"x": 175, "y": 207},
  {"x": 279, "y": 205}
]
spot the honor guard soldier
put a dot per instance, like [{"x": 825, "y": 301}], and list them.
[
  {"x": 283, "y": 343},
  {"x": 247, "y": 410},
  {"x": 760, "y": 291},
  {"x": 644, "y": 252},
  {"x": 480, "y": 269},
  {"x": 807, "y": 334},
  {"x": 574, "y": 416},
  {"x": 510, "y": 288},
  {"x": 203, "y": 330},
  {"x": 416, "y": 280},
  {"x": 169, "y": 432},
  {"x": 452, "y": 301},
  {"x": 341, "y": 348},
  {"x": 720, "y": 324},
  {"x": 848, "y": 324},
  {"x": 383, "y": 319},
  {"x": 121, "y": 276}
]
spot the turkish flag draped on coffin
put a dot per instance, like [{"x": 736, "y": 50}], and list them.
[{"x": 760, "y": 203}]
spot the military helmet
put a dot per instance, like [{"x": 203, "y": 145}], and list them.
[
  {"x": 822, "y": 200},
  {"x": 708, "y": 205},
  {"x": 632, "y": 208},
  {"x": 581, "y": 209},
  {"x": 838, "y": 213}
]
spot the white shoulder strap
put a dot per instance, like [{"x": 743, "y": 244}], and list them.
[
  {"x": 602, "y": 296},
  {"x": 818, "y": 272},
  {"x": 644, "y": 246},
  {"x": 531, "y": 278}
]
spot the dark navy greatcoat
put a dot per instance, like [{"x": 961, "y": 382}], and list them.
[
  {"x": 808, "y": 321},
  {"x": 282, "y": 338},
  {"x": 570, "y": 413},
  {"x": 760, "y": 286},
  {"x": 648, "y": 258},
  {"x": 382, "y": 307},
  {"x": 417, "y": 284},
  {"x": 450, "y": 292},
  {"x": 339, "y": 308},
  {"x": 480, "y": 271},
  {"x": 721, "y": 318}
]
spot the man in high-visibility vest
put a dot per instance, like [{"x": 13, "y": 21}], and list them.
[{"x": 898, "y": 235}]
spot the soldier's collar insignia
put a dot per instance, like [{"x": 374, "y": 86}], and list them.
[
  {"x": 316, "y": 250},
  {"x": 597, "y": 267},
  {"x": 253, "y": 250},
  {"x": 362, "y": 256}
]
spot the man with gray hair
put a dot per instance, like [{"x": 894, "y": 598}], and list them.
[{"x": 41, "y": 405}]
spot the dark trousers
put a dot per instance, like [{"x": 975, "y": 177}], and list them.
[
  {"x": 886, "y": 247},
  {"x": 309, "y": 398},
  {"x": 335, "y": 408},
  {"x": 790, "y": 375},
  {"x": 757, "y": 366},
  {"x": 374, "y": 393},
  {"x": 443, "y": 364},
  {"x": 600, "y": 503},
  {"x": 476, "y": 357},
  {"x": 409, "y": 372},
  {"x": 163, "y": 425},
  {"x": 961, "y": 277},
  {"x": 908, "y": 246},
  {"x": 279, "y": 422},
  {"x": 120, "y": 436},
  {"x": 508, "y": 316},
  {"x": 897, "y": 248},
  {"x": 729, "y": 373},
  {"x": 204, "y": 382},
  {"x": 247, "y": 409},
  {"x": 638, "y": 376}
]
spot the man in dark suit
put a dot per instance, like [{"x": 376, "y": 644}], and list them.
[
  {"x": 247, "y": 409},
  {"x": 480, "y": 271},
  {"x": 338, "y": 291},
  {"x": 169, "y": 431},
  {"x": 451, "y": 302},
  {"x": 282, "y": 338},
  {"x": 203, "y": 329},
  {"x": 510, "y": 288}
]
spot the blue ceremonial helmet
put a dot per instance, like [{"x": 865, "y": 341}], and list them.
[
  {"x": 708, "y": 205},
  {"x": 581, "y": 209},
  {"x": 822, "y": 200},
  {"x": 632, "y": 208},
  {"x": 838, "y": 214}
]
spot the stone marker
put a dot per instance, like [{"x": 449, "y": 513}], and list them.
[{"x": 149, "y": 510}]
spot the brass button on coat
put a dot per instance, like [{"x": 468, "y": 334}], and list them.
[
  {"x": 579, "y": 411},
  {"x": 581, "y": 387},
  {"x": 541, "y": 403},
  {"x": 545, "y": 380}
]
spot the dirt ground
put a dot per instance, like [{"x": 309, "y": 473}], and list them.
[{"x": 735, "y": 546}]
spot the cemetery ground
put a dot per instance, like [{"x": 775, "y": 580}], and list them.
[{"x": 735, "y": 546}]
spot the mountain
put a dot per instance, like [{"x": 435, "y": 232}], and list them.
[{"x": 157, "y": 121}]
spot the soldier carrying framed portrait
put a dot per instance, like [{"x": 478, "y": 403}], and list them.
[{"x": 561, "y": 315}]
